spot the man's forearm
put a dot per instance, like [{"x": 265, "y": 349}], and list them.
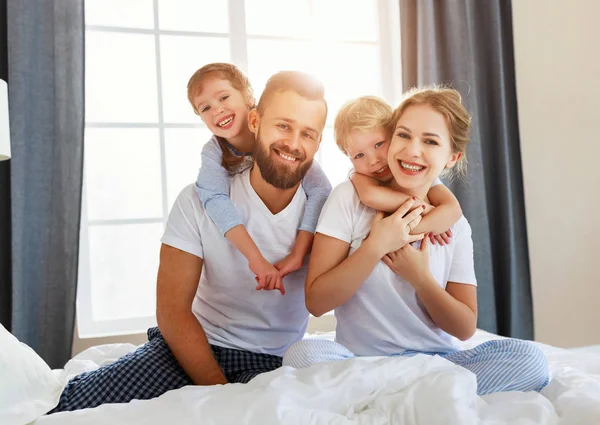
[{"x": 187, "y": 341}]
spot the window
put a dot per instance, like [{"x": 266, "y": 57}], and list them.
[{"x": 143, "y": 141}]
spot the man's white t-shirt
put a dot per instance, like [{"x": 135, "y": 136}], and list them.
[
  {"x": 385, "y": 316},
  {"x": 232, "y": 312}
]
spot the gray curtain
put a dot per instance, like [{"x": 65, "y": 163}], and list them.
[
  {"x": 46, "y": 81},
  {"x": 469, "y": 44}
]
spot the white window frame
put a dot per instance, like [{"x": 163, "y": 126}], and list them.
[{"x": 389, "y": 42}]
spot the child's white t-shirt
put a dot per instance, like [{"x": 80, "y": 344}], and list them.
[
  {"x": 385, "y": 317},
  {"x": 232, "y": 312}
]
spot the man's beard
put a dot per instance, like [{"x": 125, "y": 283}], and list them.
[{"x": 279, "y": 175}]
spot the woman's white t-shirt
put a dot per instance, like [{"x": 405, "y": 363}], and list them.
[{"x": 385, "y": 316}]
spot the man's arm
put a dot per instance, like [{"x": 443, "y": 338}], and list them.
[{"x": 178, "y": 277}]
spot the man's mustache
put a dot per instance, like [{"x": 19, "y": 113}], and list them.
[{"x": 295, "y": 153}]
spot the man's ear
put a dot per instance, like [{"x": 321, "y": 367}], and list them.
[
  {"x": 253, "y": 121},
  {"x": 453, "y": 159}
]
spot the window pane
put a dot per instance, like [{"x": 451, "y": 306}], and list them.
[
  {"x": 120, "y": 78},
  {"x": 122, "y": 177},
  {"x": 288, "y": 18},
  {"x": 123, "y": 267},
  {"x": 359, "y": 22},
  {"x": 335, "y": 164},
  {"x": 119, "y": 13},
  {"x": 194, "y": 15},
  {"x": 180, "y": 58},
  {"x": 266, "y": 57},
  {"x": 183, "y": 147},
  {"x": 347, "y": 71}
]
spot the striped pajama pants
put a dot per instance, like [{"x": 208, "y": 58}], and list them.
[
  {"x": 500, "y": 365},
  {"x": 151, "y": 371}
]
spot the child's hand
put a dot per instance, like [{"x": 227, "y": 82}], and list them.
[
  {"x": 409, "y": 263},
  {"x": 267, "y": 276},
  {"x": 289, "y": 264},
  {"x": 442, "y": 238}
]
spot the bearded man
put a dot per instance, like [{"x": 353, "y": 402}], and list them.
[{"x": 214, "y": 327}]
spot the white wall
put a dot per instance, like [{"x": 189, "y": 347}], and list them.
[{"x": 557, "y": 53}]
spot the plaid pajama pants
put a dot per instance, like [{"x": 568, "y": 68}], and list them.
[
  {"x": 499, "y": 365},
  {"x": 151, "y": 371}
]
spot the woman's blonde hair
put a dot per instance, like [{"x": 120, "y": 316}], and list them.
[
  {"x": 363, "y": 113},
  {"x": 239, "y": 81},
  {"x": 448, "y": 102}
]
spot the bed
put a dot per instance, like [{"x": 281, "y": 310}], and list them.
[{"x": 417, "y": 390}]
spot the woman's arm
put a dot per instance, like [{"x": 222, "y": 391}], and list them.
[
  {"x": 334, "y": 277},
  {"x": 454, "y": 310}
]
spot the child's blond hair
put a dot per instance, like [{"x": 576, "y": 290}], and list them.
[
  {"x": 364, "y": 113},
  {"x": 448, "y": 102}
]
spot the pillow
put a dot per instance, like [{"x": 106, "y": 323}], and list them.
[{"x": 28, "y": 388}]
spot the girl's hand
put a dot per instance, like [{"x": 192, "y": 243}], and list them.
[
  {"x": 409, "y": 263},
  {"x": 442, "y": 238},
  {"x": 289, "y": 264},
  {"x": 267, "y": 276},
  {"x": 392, "y": 233}
]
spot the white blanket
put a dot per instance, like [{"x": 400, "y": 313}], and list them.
[{"x": 409, "y": 391}]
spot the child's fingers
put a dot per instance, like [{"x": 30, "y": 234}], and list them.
[
  {"x": 260, "y": 283},
  {"x": 431, "y": 238},
  {"x": 445, "y": 237},
  {"x": 271, "y": 283},
  {"x": 439, "y": 240},
  {"x": 280, "y": 286}
]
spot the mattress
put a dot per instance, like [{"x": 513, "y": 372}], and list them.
[{"x": 374, "y": 390}]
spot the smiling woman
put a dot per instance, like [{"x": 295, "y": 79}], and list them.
[{"x": 393, "y": 298}]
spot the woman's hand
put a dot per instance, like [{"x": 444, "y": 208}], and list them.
[
  {"x": 410, "y": 264},
  {"x": 392, "y": 233}
]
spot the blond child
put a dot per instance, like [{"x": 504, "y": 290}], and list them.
[
  {"x": 222, "y": 96},
  {"x": 362, "y": 131}
]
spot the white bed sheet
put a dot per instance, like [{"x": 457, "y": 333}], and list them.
[{"x": 418, "y": 390}]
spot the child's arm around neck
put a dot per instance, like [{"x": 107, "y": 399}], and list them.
[{"x": 442, "y": 217}]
